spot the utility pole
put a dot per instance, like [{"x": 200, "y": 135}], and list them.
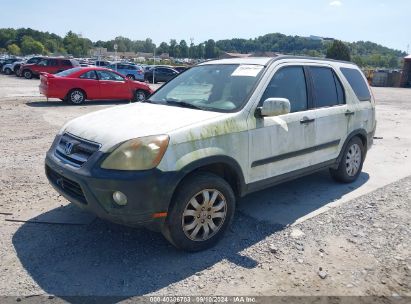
[
  {"x": 115, "y": 54},
  {"x": 154, "y": 53},
  {"x": 408, "y": 49}
]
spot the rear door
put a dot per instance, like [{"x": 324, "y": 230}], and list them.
[
  {"x": 113, "y": 86},
  {"x": 331, "y": 112},
  {"x": 91, "y": 84},
  {"x": 53, "y": 66}
]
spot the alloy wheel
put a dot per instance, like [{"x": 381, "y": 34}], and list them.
[
  {"x": 204, "y": 215},
  {"x": 353, "y": 160}
]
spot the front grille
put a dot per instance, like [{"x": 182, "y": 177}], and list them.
[
  {"x": 78, "y": 153},
  {"x": 66, "y": 185}
]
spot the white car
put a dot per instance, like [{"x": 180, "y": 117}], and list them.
[{"x": 225, "y": 128}]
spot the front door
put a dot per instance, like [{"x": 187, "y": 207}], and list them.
[
  {"x": 283, "y": 143},
  {"x": 113, "y": 86}
]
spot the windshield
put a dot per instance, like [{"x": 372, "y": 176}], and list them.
[
  {"x": 68, "y": 72},
  {"x": 216, "y": 87}
]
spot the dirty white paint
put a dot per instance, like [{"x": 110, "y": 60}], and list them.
[{"x": 196, "y": 134}]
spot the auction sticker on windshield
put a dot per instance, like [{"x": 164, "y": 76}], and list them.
[{"x": 247, "y": 70}]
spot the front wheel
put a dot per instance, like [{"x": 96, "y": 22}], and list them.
[
  {"x": 200, "y": 213},
  {"x": 76, "y": 97},
  {"x": 7, "y": 71},
  {"x": 140, "y": 96},
  {"x": 351, "y": 162},
  {"x": 27, "y": 74}
]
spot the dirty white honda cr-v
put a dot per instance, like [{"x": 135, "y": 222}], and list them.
[{"x": 177, "y": 162}]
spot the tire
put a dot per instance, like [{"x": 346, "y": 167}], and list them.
[
  {"x": 205, "y": 224},
  {"x": 131, "y": 77},
  {"x": 351, "y": 163},
  {"x": 76, "y": 96},
  {"x": 27, "y": 74},
  {"x": 139, "y": 96},
  {"x": 7, "y": 71}
]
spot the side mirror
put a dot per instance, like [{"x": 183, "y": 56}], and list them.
[{"x": 274, "y": 107}]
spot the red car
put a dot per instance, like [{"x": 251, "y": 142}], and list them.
[
  {"x": 48, "y": 65},
  {"x": 79, "y": 84}
]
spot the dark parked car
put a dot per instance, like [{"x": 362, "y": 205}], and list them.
[
  {"x": 102, "y": 63},
  {"x": 32, "y": 60},
  {"x": 160, "y": 74},
  {"x": 7, "y": 61},
  {"x": 48, "y": 65},
  {"x": 181, "y": 68}
]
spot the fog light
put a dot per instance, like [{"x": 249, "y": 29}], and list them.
[{"x": 120, "y": 198}]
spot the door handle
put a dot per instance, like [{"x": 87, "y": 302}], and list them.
[
  {"x": 306, "y": 120},
  {"x": 348, "y": 113}
]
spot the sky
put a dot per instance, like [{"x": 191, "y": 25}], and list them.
[{"x": 386, "y": 22}]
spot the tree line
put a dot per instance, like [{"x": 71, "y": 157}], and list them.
[{"x": 25, "y": 41}]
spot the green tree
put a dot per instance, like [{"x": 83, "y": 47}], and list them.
[
  {"x": 210, "y": 49},
  {"x": 183, "y": 49},
  {"x": 338, "y": 50},
  {"x": 31, "y": 46},
  {"x": 76, "y": 45},
  {"x": 358, "y": 61},
  {"x": 13, "y": 49},
  {"x": 149, "y": 45},
  {"x": 7, "y": 36},
  {"x": 163, "y": 48},
  {"x": 173, "y": 44},
  {"x": 51, "y": 45}
]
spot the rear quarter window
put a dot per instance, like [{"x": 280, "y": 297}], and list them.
[{"x": 357, "y": 83}]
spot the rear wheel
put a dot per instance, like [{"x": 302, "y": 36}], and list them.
[
  {"x": 27, "y": 74},
  {"x": 200, "y": 213},
  {"x": 76, "y": 96},
  {"x": 351, "y": 163},
  {"x": 7, "y": 71}
]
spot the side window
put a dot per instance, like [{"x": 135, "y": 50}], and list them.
[
  {"x": 288, "y": 82},
  {"x": 357, "y": 83},
  {"x": 52, "y": 62},
  {"x": 89, "y": 75},
  {"x": 66, "y": 63},
  {"x": 42, "y": 62},
  {"x": 326, "y": 92},
  {"x": 107, "y": 75}
]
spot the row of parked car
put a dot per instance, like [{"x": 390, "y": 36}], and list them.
[{"x": 34, "y": 66}]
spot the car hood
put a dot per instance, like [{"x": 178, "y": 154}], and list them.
[{"x": 112, "y": 126}]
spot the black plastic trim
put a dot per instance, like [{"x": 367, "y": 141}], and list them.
[
  {"x": 294, "y": 153},
  {"x": 270, "y": 182}
]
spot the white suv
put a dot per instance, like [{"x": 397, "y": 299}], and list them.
[{"x": 218, "y": 131}]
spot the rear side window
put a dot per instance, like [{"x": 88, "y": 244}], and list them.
[
  {"x": 327, "y": 89},
  {"x": 288, "y": 82},
  {"x": 68, "y": 72},
  {"x": 52, "y": 62},
  {"x": 89, "y": 75},
  {"x": 357, "y": 83},
  {"x": 66, "y": 63}
]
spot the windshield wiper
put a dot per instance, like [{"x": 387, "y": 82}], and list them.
[{"x": 184, "y": 104}]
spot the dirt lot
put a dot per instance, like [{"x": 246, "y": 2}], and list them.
[{"x": 306, "y": 237}]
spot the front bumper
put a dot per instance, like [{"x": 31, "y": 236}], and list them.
[{"x": 91, "y": 188}]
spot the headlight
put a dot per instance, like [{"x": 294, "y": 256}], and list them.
[{"x": 137, "y": 154}]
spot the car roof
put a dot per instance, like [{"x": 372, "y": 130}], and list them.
[{"x": 268, "y": 60}]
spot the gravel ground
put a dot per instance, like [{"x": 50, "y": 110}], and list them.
[{"x": 361, "y": 247}]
